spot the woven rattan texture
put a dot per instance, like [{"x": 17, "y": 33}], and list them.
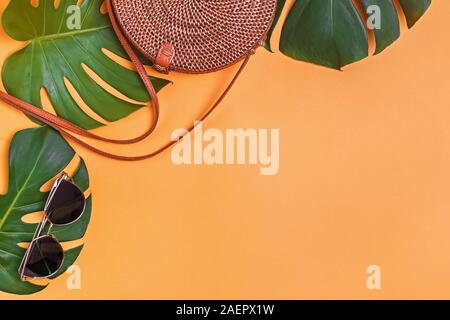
[{"x": 207, "y": 35}]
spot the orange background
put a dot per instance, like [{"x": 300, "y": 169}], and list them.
[{"x": 364, "y": 179}]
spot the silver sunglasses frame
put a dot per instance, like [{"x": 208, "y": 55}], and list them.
[{"x": 40, "y": 228}]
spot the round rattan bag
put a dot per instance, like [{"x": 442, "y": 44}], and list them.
[{"x": 195, "y": 36}]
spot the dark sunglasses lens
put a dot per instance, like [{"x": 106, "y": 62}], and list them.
[
  {"x": 67, "y": 204},
  {"x": 45, "y": 258}
]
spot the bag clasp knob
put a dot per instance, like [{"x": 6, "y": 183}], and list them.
[{"x": 164, "y": 58}]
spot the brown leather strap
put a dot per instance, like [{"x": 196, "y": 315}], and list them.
[
  {"x": 50, "y": 118},
  {"x": 64, "y": 126}
]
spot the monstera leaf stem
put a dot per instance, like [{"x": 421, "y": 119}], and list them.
[
  {"x": 14, "y": 201},
  {"x": 68, "y": 34}
]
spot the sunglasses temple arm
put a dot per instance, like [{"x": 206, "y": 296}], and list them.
[
  {"x": 36, "y": 235},
  {"x": 55, "y": 186},
  {"x": 51, "y": 194}
]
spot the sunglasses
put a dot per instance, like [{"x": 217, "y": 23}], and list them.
[{"x": 45, "y": 256}]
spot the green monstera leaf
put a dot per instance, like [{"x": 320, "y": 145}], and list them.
[
  {"x": 333, "y": 33},
  {"x": 280, "y": 6},
  {"x": 58, "y": 50},
  {"x": 35, "y": 157}
]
